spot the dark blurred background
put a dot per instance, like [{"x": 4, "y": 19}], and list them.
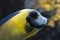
[{"x": 9, "y": 6}]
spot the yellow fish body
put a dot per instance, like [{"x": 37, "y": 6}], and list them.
[{"x": 14, "y": 28}]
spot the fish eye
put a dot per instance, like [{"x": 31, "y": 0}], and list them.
[{"x": 33, "y": 15}]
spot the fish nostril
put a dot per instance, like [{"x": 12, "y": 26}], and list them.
[{"x": 33, "y": 14}]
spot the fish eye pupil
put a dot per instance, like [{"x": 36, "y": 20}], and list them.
[{"x": 33, "y": 14}]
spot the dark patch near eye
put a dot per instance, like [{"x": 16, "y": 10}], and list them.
[
  {"x": 28, "y": 29},
  {"x": 33, "y": 14},
  {"x": 33, "y": 24}
]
